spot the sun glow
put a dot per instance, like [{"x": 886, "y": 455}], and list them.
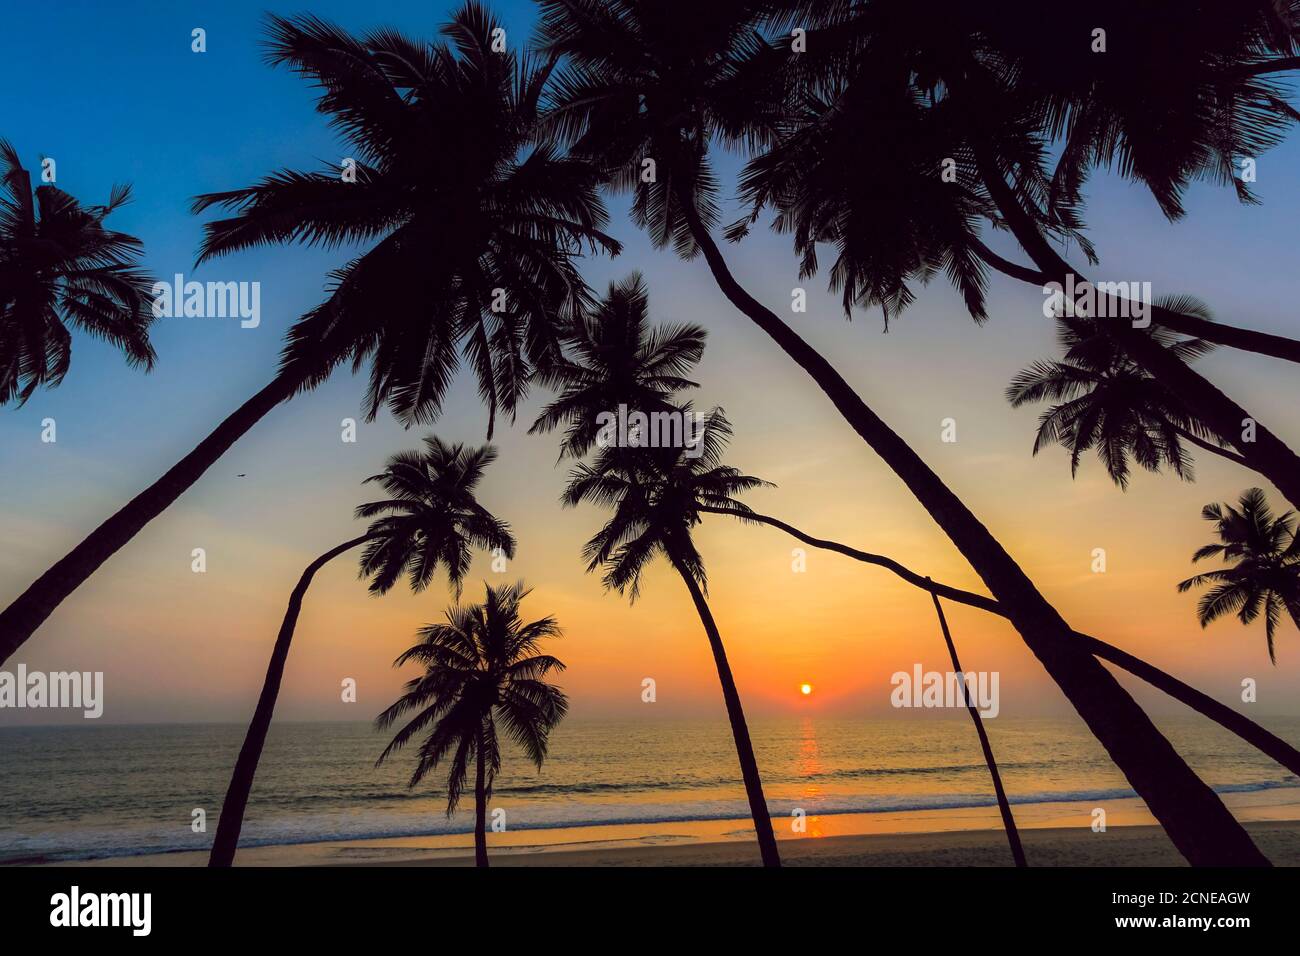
[{"x": 805, "y": 689}]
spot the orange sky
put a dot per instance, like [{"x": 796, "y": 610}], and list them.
[{"x": 179, "y": 646}]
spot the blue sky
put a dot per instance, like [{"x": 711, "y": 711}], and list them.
[{"x": 114, "y": 94}]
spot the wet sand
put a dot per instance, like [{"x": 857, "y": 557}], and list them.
[{"x": 1058, "y": 834}]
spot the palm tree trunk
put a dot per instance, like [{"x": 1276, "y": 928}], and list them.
[
  {"x": 1192, "y": 814},
  {"x": 739, "y": 729},
  {"x": 480, "y": 807},
  {"x": 1231, "y": 336},
  {"x": 1008, "y": 821},
  {"x": 30, "y": 609},
  {"x": 1267, "y": 454},
  {"x": 1200, "y": 442},
  {"x": 1252, "y": 733},
  {"x": 241, "y": 781},
  {"x": 1247, "y": 340},
  {"x": 1277, "y": 65}
]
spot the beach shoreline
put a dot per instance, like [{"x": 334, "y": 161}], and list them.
[
  {"x": 1055, "y": 834},
  {"x": 1131, "y": 846}
]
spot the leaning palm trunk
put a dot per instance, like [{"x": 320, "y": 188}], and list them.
[
  {"x": 1200, "y": 442},
  {"x": 480, "y": 807},
  {"x": 1264, "y": 452},
  {"x": 241, "y": 781},
  {"x": 30, "y": 609},
  {"x": 1196, "y": 820},
  {"x": 1249, "y": 340},
  {"x": 1008, "y": 821},
  {"x": 1252, "y": 733},
  {"x": 739, "y": 729}
]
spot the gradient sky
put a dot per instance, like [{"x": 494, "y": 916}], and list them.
[{"x": 120, "y": 98}]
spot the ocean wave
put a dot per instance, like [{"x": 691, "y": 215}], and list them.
[
  {"x": 21, "y": 848},
  {"x": 360, "y": 796}
]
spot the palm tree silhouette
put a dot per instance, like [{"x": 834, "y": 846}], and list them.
[
  {"x": 1108, "y": 402},
  {"x": 432, "y": 519},
  {"x": 1209, "y": 98},
  {"x": 1263, "y": 740},
  {"x": 471, "y": 249},
  {"x": 1265, "y": 574},
  {"x": 656, "y": 494},
  {"x": 481, "y": 668},
  {"x": 1004, "y": 805},
  {"x": 62, "y": 269},
  {"x": 637, "y": 87},
  {"x": 615, "y": 358}
]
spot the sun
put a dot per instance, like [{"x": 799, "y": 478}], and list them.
[{"x": 805, "y": 689}]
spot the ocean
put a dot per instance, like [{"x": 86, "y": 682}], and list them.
[{"x": 86, "y": 792}]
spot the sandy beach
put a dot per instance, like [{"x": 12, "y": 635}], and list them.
[
  {"x": 1057, "y": 834},
  {"x": 1124, "y": 846}
]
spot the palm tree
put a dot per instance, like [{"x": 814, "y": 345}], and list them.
[
  {"x": 1205, "y": 103},
  {"x": 637, "y": 86},
  {"x": 1178, "y": 96},
  {"x": 1004, "y": 805},
  {"x": 1108, "y": 402},
  {"x": 431, "y": 519},
  {"x": 62, "y": 269},
  {"x": 1265, "y": 573},
  {"x": 1267, "y": 743},
  {"x": 471, "y": 250},
  {"x": 619, "y": 361},
  {"x": 481, "y": 668},
  {"x": 656, "y": 495},
  {"x": 616, "y": 359}
]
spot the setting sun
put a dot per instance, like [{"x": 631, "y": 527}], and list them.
[{"x": 805, "y": 689}]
